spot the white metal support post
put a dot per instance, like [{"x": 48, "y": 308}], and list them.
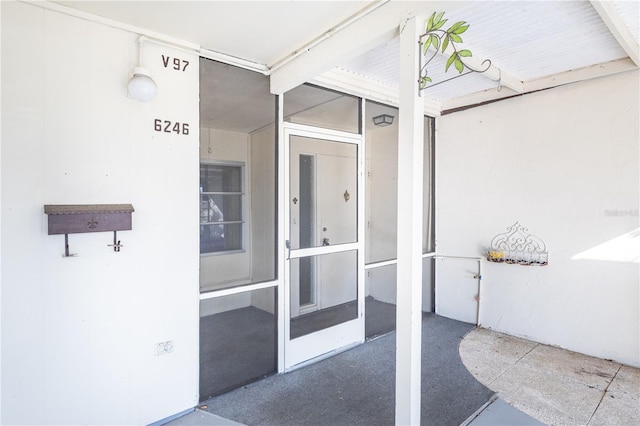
[{"x": 409, "y": 275}]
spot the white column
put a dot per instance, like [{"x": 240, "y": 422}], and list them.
[{"x": 409, "y": 275}]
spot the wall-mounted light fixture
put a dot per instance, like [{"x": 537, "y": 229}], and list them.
[
  {"x": 383, "y": 120},
  {"x": 141, "y": 86}
]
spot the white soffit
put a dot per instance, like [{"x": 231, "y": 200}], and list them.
[
  {"x": 257, "y": 31},
  {"x": 531, "y": 40},
  {"x": 528, "y": 41},
  {"x": 630, "y": 14},
  {"x": 382, "y": 65},
  {"x": 533, "y": 44}
]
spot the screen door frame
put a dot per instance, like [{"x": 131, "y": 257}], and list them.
[{"x": 322, "y": 343}]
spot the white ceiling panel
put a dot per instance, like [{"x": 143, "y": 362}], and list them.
[
  {"x": 526, "y": 40},
  {"x": 531, "y": 40},
  {"x": 380, "y": 64},
  {"x": 630, "y": 13},
  {"x": 258, "y": 31},
  {"x": 534, "y": 44}
]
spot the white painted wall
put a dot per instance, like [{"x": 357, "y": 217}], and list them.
[
  {"x": 382, "y": 193},
  {"x": 264, "y": 299},
  {"x": 256, "y": 262},
  {"x": 263, "y": 202},
  {"x": 381, "y": 174},
  {"x": 222, "y": 304},
  {"x": 79, "y": 334},
  {"x": 381, "y": 211},
  {"x": 220, "y": 270},
  {"x": 340, "y": 113},
  {"x": 559, "y": 161},
  {"x": 380, "y": 283}
]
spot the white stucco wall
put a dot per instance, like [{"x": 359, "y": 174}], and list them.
[
  {"x": 220, "y": 270},
  {"x": 564, "y": 163},
  {"x": 263, "y": 204},
  {"x": 381, "y": 211},
  {"x": 79, "y": 334},
  {"x": 382, "y": 193}
]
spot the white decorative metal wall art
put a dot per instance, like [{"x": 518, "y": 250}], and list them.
[{"x": 519, "y": 247}]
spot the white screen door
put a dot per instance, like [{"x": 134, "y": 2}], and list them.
[{"x": 324, "y": 270}]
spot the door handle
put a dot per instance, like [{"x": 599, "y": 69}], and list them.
[{"x": 325, "y": 241}]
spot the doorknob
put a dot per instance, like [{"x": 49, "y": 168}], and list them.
[{"x": 325, "y": 241}]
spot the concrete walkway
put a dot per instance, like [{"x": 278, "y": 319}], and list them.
[
  {"x": 534, "y": 383},
  {"x": 552, "y": 385}
]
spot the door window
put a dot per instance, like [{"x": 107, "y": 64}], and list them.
[
  {"x": 328, "y": 292},
  {"x": 324, "y": 199}
]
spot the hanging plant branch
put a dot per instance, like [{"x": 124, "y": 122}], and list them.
[{"x": 436, "y": 39}]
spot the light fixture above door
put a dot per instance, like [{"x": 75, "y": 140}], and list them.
[{"x": 383, "y": 120}]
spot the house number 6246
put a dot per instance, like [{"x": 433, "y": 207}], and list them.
[{"x": 167, "y": 126}]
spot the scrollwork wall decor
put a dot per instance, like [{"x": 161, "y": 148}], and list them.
[{"x": 519, "y": 247}]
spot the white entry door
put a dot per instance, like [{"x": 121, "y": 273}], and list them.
[{"x": 325, "y": 263}]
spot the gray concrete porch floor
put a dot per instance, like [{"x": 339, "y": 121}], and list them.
[
  {"x": 202, "y": 418},
  {"x": 535, "y": 384},
  {"x": 552, "y": 385}
]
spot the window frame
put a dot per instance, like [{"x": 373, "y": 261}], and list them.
[{"x": 243, "y": 205}]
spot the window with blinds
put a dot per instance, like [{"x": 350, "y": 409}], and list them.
[{"x": 221, "y": 207}]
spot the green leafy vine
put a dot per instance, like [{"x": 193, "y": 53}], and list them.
[{"x": 440, "y": 39}]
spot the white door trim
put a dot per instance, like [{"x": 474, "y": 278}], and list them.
[{"x": 324, "y": 341}]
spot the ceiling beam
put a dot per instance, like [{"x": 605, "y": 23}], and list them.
[
  {"x": 357, "y": 85},
  {"x": 580, "y": 74},
  {"x": 613, "y": 21},
  {"x": 573, "y": 76},
  {"x": 477, "y": 98},
  {"x": 369, "y": 29}
]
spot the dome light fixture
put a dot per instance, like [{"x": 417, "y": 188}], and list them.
[{"x": 141, "y": 86}]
